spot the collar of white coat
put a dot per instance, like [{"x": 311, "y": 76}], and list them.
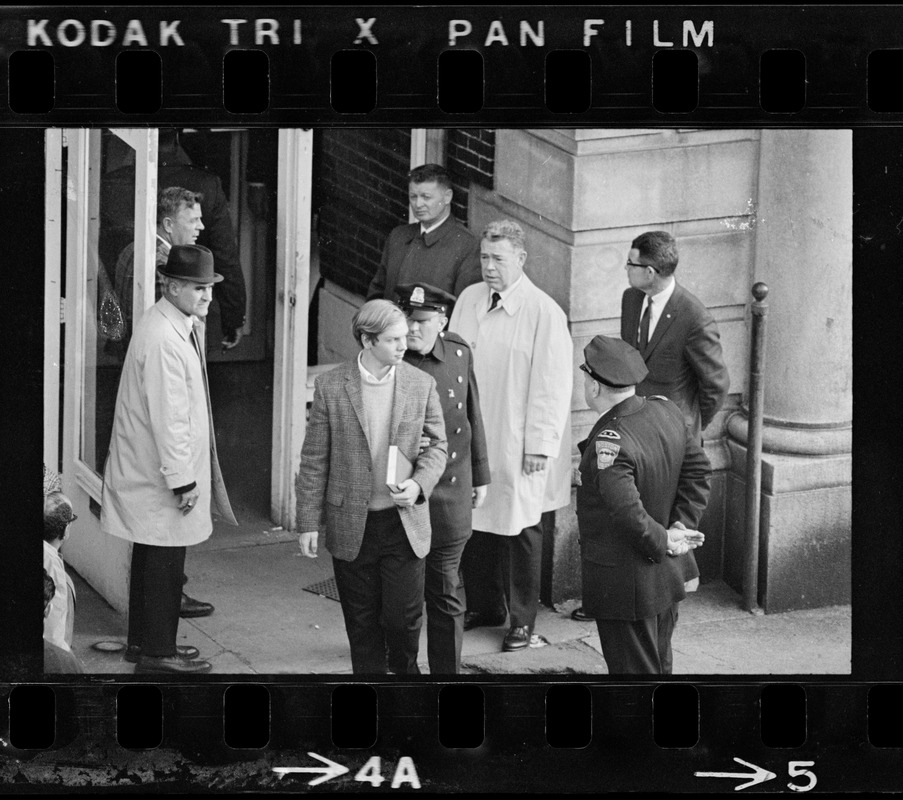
[
  {"x": 512, "y": 298},
  {"x": 183, "y": 323}
]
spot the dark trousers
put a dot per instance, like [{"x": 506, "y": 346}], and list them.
[
  {"x": 501, "y": 574},
  {"x": 444, "y": 608},
  {"x": 155, "y": 594},
  {"x": 381, "y": 592},
  {"x": 638, "y": 647}
]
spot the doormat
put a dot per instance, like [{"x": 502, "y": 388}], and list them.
[{"x": 325, "y": 588}]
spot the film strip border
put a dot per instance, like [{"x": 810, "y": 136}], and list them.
[
  {"x": 456, "y": 737},
  {"x": 397, "y": 65}
]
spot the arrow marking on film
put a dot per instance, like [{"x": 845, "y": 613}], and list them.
[
  {"x": 330, "y": 771},
  {"x": 758, "y": 775}
]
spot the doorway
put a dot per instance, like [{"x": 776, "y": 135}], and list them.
[{"x": 257, "y": 389}]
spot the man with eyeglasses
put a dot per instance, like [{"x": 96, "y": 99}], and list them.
[
  {"x": 678, "y": 340},
  {"x": 674, "y": 332},
  {"x": 447, "y": 358}
]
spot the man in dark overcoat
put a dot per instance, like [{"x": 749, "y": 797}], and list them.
[
  {"x": 447, "y": 358},
  {"x": 436, "y": 248},
  {"x": 644, "y": 485}
]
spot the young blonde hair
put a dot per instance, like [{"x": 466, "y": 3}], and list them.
[{"x": 374, "y": 317}]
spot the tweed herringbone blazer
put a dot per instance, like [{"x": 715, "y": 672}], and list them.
[{"x": 334, "y": 480}]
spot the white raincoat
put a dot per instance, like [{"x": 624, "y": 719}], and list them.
[
  {"x": 523, "y": 361},
  {"x": 162, "y": 438}
]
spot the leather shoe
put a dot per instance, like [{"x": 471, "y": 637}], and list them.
[
  {"x": 194, "y": 608},
  {"x": 517, "y": 638},
  {"x": 476, "y": 619},
  {"x": 172, "y": 664},
  {"x": 184, "y": 651},
  {"x": 579, "y": 615}
]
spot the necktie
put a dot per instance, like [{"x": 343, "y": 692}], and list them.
[
  {"x": 644, "y": 325},
  {"x": 495, "y": 300}
]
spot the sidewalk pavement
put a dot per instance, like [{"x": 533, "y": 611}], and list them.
[{"x": 265, "y": 623}]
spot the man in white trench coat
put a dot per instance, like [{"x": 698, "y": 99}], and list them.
[
  {"x": 162, "y": 478},
  {"x": 522, "y": 354}
]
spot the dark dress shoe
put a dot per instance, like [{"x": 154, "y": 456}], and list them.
[
  {"x": 194, "y": 608},
  {"x": 475, "y": 619},
  {"x": 184, "y": 651},
  {"x": 172, "y": 664},
  {"x": 580, "y": 615},
  {"x": 517, "y": 638}
]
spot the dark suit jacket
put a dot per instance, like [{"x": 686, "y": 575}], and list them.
[
  {"x": 447, "y": 257},
  {"x": 334, "y": 481},
  {"x": 451, "y": 365},
  {"x": 683, "y": 356},
  {"x": 641, "y": 470}
]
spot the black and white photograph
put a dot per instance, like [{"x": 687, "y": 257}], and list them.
[
  {"x": 450, "y": 398},
  {"x": 540, "y": 529}
]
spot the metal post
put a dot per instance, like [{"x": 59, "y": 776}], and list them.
[{"x": 754, "y": 447}]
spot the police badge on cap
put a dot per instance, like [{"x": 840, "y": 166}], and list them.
[{"x": 422, "y": 296}]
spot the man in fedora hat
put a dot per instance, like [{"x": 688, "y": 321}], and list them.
[
  {"x": 644, "y": 484},
  {"x": 162, "y": 479}
]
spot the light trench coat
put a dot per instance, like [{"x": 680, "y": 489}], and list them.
[
  {"x": 162, "y": 438},
  {"x": 522, "y": 354}
]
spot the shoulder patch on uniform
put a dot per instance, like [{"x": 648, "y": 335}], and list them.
[
  {"x": 606, "y": 452},
  {"x": 608, "y": 433}
]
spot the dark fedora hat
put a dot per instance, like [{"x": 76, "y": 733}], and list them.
[{"x": 190, "y": 262}]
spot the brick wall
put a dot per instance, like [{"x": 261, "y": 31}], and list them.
[
  {"x": 470, "y": 159},
  {"x": 360, "y": 194}
]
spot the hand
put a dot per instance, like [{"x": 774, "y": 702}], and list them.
[
  {"x": 681, "y": 540},
  {"x": 231, "y": 340},
  {"x": 534, "y": 463},
  {"x": 407, "y": 494},
  {"x": 308, "y": 542},
  {"x": 479, "y": 496},
  {"x": 424, "y": 443},
  {"x": 188, "y": 500}
]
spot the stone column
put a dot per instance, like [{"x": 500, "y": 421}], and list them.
[{"x": 804, "y": 251}]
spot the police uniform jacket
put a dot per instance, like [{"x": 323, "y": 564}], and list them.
[
  {"x": 641, "y": 470},
  {"x": 451, "y": 365},
  {"x": 448, "y": 257}
]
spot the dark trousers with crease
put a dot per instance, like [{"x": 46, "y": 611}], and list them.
[
  {"x": 155, "y": 595},
  {"x": 444, "y": 607},
  {"x": 381, "y": 592},
  {"x": 502, "y": 574},
  {"x": 638, "y": 647}
]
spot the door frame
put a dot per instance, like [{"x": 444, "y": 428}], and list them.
[{"x": 293, "y": 242}]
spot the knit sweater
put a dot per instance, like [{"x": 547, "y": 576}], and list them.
[{"x": 378, "y": 399}]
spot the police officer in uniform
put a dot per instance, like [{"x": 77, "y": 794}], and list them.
[
  {"x": 447, "y": 358},
  {"x": 643, "y": 487}
]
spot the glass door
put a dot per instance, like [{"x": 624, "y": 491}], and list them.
[{"x": 108, "y": 260}]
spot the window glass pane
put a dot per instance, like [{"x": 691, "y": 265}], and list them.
[{"x": 110, "y": 270}]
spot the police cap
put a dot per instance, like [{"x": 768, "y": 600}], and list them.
[
  {"x": 422, "y": 296},
  {"x": 613, "y": 362}
]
